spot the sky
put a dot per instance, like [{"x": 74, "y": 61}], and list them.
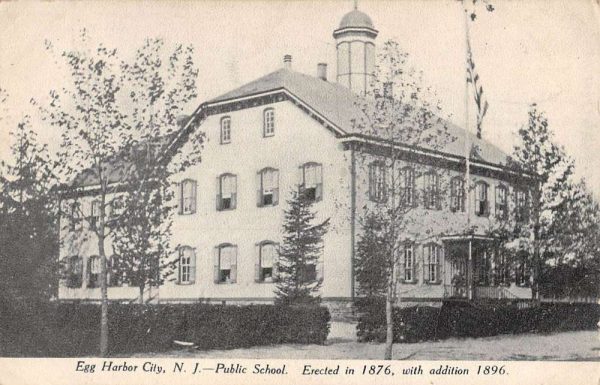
[{"x": 545, "y": 52}]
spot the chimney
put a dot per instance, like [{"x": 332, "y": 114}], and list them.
[
  {"x": 322, "y": 71},
  {"x": 287, "y": 62}
]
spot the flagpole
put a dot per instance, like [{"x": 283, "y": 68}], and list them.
[{"x": 468, "y": 157}]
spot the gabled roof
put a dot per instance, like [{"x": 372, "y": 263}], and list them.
[{"x": 339, "y": 105}]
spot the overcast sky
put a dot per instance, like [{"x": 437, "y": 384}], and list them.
[{"x": 526, "y": 51}]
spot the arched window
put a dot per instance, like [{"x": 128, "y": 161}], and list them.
[
  {"x": 186, "y": 274},
  {"x": 268, "y": 187},
  {"x": 482, "y": 205},
  {"x": 226, "y": 192},
  {"x": 225, "y": 263},
  {"x": 311, "y": 183},
  {"x": 432, "y": 257},
  {"x": 377, "y": 182},
  {"x": 407, "y": 186},
  {"x": 74, "y": 271},
  {"x": 501, "y": 201},
  {"x": 457, "y": 194},
  {"x": 269, "y": 122},
  {"x": 431, "y": 193},
  {"x": 225, "y": 130},
  {"x": 187, "y": 201},
  {"x": 266, "y": 263},
  {"x": 94, "y": 269}
]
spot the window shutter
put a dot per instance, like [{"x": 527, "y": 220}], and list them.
[
  {"x": 257, "y": 277},
  {"x": 259, "y": 197},
  {"x": 218, "y": 200},
  {"x": 233, "y": 276},
  {"x": 402, "y": 264},
  {"x": 233, "y": 201},
  {"x": 193, "y": 267},
  {"x": 194, "y": 194},
  {"x": 276, "y": 264},
  {"x": 180, "y": 197},
  {"x": 320, "y": 269},
  {"x": 438, "y": 195},
  {"x": 178, "y": 278},
  {"x": 372, "y": 181},
  {"x": 301, "y": 179},
  {"x": 276, "y": 189},
  {"x": 88, "y": 275},
  {"x": 216, "y": 264}
]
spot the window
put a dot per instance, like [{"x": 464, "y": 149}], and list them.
[
  {"x": 266, "y": 265},
  {"x": 187, "y": 266},
  {"x": 95, "y": 215},
  {"x": 457, "y": 194},
  {"x": 407, "y": 186},
  {"x": 74, "y": 271},
  {"x": 226, "y": 130},
  {"x": 312, "y": 181},
  {"x": 187, "y": 204},
  {"x": 94, "y": 270},
  {"x": 432, "y": 257},
  {"x": 269, "y": 122},
  {"x": 115, "y": 277},
  {"x": 481, "y": 199},
  {"x": 501, "y": 202},
  {"x": 521, "y": 203},
  {"x": 409, "y": 263},
  {"x": 226, "y": 192},
  {"x": 432, "y": 191},
  {"x": 308, "y": 273},
  {"x": 74, "y": 215},
  {"x": 268, "y": 187},
  {"x": 225, "y": 263},
  {"x": 377, "y": 186},
  {"x": 522, "y": 273}
]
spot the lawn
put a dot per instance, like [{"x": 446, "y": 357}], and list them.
[{"x": 341, "y": 344}]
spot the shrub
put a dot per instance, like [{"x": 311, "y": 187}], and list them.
[
  {"x": 463, "y": 319},
  {"x": 73, "y": 328}
]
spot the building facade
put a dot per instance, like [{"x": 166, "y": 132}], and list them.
[{"x": 288, "y": 131}]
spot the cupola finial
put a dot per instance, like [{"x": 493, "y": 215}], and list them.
[{"x": 355, "y": 4}]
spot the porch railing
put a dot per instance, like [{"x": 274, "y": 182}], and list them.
[{"x": 481, "y": 292}]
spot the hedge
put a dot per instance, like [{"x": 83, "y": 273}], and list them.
[
  {"x": 463, "y": 319},
  {"x": 72, "y": 329}
]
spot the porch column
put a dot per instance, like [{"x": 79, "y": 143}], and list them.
[{"x": 470, "y": 272}]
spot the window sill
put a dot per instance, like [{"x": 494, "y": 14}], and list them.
[
  {"x": 434, "y": 283},
  {"x": 185, "y": 214},
  {"x": 268, "y": 135},
  {"x": 411, "y": 282},
  {"x": 184, "y": 283},
  {"x": 231, "y": 209}
]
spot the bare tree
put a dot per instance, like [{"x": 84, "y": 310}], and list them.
[
  {"x": 400, "y": 121},
  {"x": 110, "y": 109}
]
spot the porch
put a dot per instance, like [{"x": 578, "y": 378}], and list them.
[{"x": 478, "y": 269}]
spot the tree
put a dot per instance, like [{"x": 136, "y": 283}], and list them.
[
  {"x": 109, "y": 110},
  {"x": 28, "y": 231},
  {"x": 297, "y": 281},
  {"x": 399, "y": 116},
  {"x": 538, "y": 154}
]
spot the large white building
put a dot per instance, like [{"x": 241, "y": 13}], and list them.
[{"x": 287, "y": 130}]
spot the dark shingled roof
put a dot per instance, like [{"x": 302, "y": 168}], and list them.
[{"x": 339, "y": 105}]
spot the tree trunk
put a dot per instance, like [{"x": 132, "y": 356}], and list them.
[
  {"x": 141, "y": 297},
  {"x": 104, "y": 290},
  {"x": 389, "y": 323}
]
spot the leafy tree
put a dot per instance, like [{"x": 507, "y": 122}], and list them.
[
  {"x": 109, "y": 109},
  {"x": 539, "y": 155},
  {"x": 399, "y": 116},
  {"x": 297, "y": 281},
  {"x": 28, "y": 220}
]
